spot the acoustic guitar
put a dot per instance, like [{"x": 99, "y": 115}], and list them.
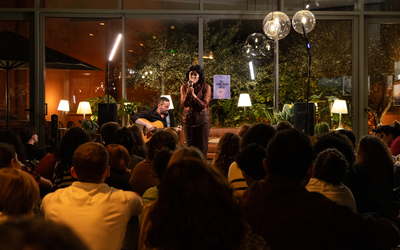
[{"x": 146, "y": 134}]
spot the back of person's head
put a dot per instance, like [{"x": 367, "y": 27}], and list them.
[
  {"x": 38, "y": 234},
  {"x": 282, "y": 125},
  {"x": 391, "y": 129},
  {"x": 350, "y": 135},
  {"x": 108, "y": 131},
  {"x": 124, "y": 137},
  {"x": 227, "y": 150},
  {"x": 260, "y": 134},
  {"x": 321, "y": 128},
  {"x": 18, "y": 192},
  {"x": 7, "y": 154},
  {"x": 118, "y": 158},
  {"x": 373, "y": 155},
  {"x": 289, "y": 154},
  {"x": 160, "y": 139},
  {"x": 244, "y": 129},
  {"x": 330, "y": 166},
  {"x": 209, "y": 217},
  {"x": 183, "y": 152},
  {"x": 26, "y": 133},
  {"x": 250, "y": 161},
  {"x": 74, "y": 137},
  {"x": 90, "y": 161},
  {"x": 160, "y": 162},
  {"x": 175, "y": 135},
  {"x": 137, "y": 136},
  {"x": 12, "y": 138},
  {"x": 337, "y": 141}
]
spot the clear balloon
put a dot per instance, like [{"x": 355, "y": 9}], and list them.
[
  {"x": 270, "y": 23},
  {"x": 256, "y": 40},
  {"x": 248, "y": 51},
  {"x": 267, "y": 48},
  {"x": 303, "y": 17}
]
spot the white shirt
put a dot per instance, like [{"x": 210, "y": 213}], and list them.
[
  {"x": 339, "y": 193},
  {"x": 97, "y": 213}
]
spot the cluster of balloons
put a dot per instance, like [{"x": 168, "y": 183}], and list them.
[{"x": 276, "y": 26}]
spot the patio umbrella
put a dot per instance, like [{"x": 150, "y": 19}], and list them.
[{"x": 14, "y": 53}]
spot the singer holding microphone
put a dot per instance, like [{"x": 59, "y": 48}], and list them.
[{"x": 195, "y": 98}]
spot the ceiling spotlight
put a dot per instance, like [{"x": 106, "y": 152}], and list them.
[
  {"x": 90, "y": 34},
  {"x": 102, "y": 24}
]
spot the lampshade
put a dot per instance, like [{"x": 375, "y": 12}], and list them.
[
  {"x": 244, "y": 100},
  {"x": 171, "y": 104},
  {"x": 303, "y": 17},
  {"x": 63, "y": 106},
  {"x": 84, "y": 108},
  {"x": 271, "y": 22},
  {"x": 339, "y": 106}
]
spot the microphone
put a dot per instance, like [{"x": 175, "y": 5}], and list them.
[{"x": 191, "y": 83}]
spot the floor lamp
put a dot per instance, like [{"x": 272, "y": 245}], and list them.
[{"x": 340, "y": 107}]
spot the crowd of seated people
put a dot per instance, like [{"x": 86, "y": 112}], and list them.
[{"x": 267, "y": 188}]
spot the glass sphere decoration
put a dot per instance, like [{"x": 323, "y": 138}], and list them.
[
  {"x": 256, "y": 40},
  {"x": 270, "y": 25},
  {"x": 248, "y": 51},
  {"x": 267, "y": 48},
  {"x": 303, "y": 17}
]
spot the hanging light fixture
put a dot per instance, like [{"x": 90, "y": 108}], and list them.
[
  {"x": 306, "y": 18},
  {"x": 276, "y": 25},
  {"x": 256, "y": 40}
]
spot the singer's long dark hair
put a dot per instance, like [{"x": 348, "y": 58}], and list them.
[{"x": 199, "y": 71}]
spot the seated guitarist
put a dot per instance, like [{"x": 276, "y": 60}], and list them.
[{"x": 159, "y": 113}]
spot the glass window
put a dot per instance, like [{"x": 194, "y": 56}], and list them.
[
  {"x": 383, "y": 74},
  {"x": 17, "y": 4},
  {"x": 319, "y": 5},
  {"x": 330, "y": 73},
  {"x": 379, "y": 5},
  {"x": 240, "y": 5},
  {"x": 158, "y": 54},
  {"x": 81, "y": 4},
  {"x": 90, "y": 42},
  {"x": 161, "y": 4},
  {"x": 16, "y": 63}
]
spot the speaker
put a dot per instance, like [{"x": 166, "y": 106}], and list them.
[
  {"x": 300, "y": 117},
  {"x": 102, "y": 111}
]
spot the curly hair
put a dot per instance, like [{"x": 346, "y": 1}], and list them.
[
  {"x": 375, "y": 161},
  {"x": 330, "y": 166},
  {"x": 209, "y": 217},
  {"x": 227, "y": 150},
  {"x": 198, "y": 70}
]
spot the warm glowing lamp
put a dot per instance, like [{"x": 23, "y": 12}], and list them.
[
  {"x": 117, "y": 41},
  {"x": 244, "y": 101},
  {"x": 171, "y": 104},
  {"x": 63, "y": 106},
  {"x": 84, "y": 108},
  {"x": 340, "y": 107}
]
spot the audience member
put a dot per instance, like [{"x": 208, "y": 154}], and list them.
[
  {"x": 350, "y": 135},
  {"x": 29, "y": 137},
  {"x": 260, "y": 134},
  {"x": 118, "y": 159},
  {"x": 227, "y": 150},
  {"x": 8, "y": 157},
  {"x": 37, "y": 234},
  {"x": 139, "y": 147},
  {"x": 96, "y": 212},
  {"x": 184, "y": 152},
  {"x": 372, "y": 182},
  {"x": 143, "y": 176},
  {"x": 10, "y": 137},
  {"x": 251, "y": 161},
  {"x": 329, "y": 171},
  {"x": 62, "y": 177},
  {"x": 390, "y": 135},
  {"x": 195, "y": 210},
  {"x": 18, "y": 194},
  {"x": 282, "y": 125},
  {"x": 282, "y": 211},
  {"x": 108, "y": 131},
  {"x": 125, "y": 138},
  {"x": 244, "y": 129}
]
